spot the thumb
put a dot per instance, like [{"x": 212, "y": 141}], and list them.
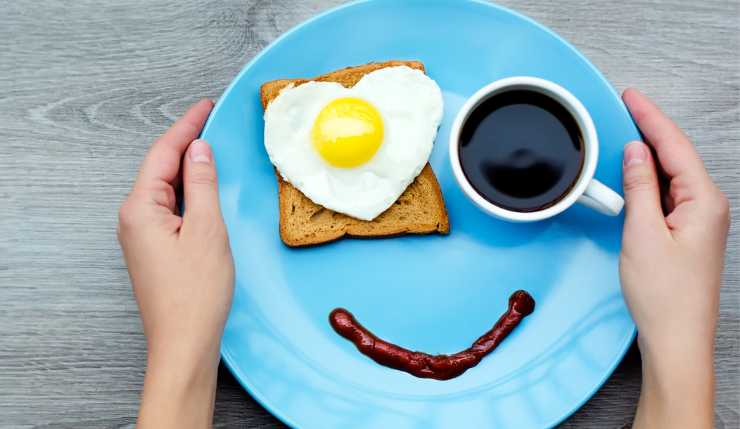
[
  {"x": 200, "y": 189},
  {"x": 643, "y": 213}
]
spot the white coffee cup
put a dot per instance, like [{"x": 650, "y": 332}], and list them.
[{"x": 586, "y": 190}]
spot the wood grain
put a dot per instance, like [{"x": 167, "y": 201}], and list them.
[{"x": 85, "y": 87}]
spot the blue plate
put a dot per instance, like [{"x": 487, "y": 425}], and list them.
[{"x": 431, "y": 293}]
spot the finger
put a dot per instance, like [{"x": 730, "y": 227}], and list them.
[
  {"x": 200, "y": 187},
  {"x": 162, "y": 163},
  {"x": 676, "y": 154},
  {"x": 643, "y": 212}
]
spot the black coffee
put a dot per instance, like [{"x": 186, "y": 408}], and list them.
[{"x": 521, "y": 150}]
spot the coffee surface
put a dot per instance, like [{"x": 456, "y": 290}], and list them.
[{"x": 521, "y": 150}]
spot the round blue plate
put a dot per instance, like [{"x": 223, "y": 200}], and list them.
[{"x": 431, "y": 293}]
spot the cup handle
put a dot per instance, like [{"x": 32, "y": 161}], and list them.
[{"x": 602, "y": 199}]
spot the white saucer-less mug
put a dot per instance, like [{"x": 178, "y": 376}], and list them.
[{"x": 586, "y": 190}]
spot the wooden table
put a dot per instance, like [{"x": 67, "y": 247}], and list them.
[{"x": 85, "y": 86}]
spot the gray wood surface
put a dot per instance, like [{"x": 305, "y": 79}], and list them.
[{"x": 84, "y": 88}]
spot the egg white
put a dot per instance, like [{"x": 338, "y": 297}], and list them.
[{"x": 410, "y": 104}]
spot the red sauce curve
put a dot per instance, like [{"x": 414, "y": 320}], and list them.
[{"x": 424, "y": 365}]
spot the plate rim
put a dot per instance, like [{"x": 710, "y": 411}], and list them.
[{"x": 226, "y": 357}]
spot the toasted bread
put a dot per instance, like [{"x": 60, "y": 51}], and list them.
[{"x": 419, "y": 210}]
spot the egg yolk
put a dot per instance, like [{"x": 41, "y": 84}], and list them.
[{"x": 347, "y": 132}]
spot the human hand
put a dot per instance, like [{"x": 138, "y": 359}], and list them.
[
  {"x": 182, "y": 273},
  {"x": 671, "y": 268}
]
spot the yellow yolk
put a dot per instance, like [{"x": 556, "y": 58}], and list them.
[{"x": 347, "y": 132}]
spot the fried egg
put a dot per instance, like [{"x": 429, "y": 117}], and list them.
[{"x": 355, "y": 150}]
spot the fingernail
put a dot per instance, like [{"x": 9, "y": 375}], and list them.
[
  {"x": 634, "y": 153},
  {"x": 200, "y": 151}
]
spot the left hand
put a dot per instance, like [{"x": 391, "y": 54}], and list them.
[{"x": 182, "y": 273}]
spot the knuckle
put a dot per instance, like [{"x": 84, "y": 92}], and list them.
[
  {"x": 209, "y": 227},
  {"x": 218, "y": 230},
  {"x": 206, "y": 177},
  {"x": 128, "y": 214},
  {"x": 638, "y": 181},
  {"x": 215, "y": 226},
  {"x": 164, "y": 194},
  {"x": 125, "y": 214},
  {"x": 679, "y": 189},
  {"x": 721, "y": 206}
]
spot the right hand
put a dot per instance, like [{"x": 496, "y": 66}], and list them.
[{"x": 671, "y": 266}]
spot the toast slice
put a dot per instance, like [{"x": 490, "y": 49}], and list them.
[{"x": 419, "y": 210}]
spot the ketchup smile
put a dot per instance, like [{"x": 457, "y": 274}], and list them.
[{"x": 424, "y": 365}]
